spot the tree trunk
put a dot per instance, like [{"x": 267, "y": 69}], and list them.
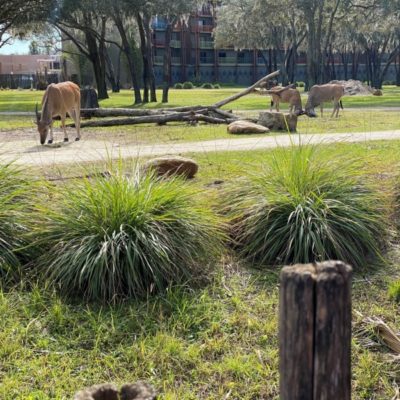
[
  {"x": 167, "y": 61},
  {"x": 143, "y": 50},
  {"x": 397, "y": 69},
  {"x": 126, "y": 48},
  {"x": 149, "y": 49},
  {"x": 96, "y": 57},
  {"x": 114, "y": 82}
]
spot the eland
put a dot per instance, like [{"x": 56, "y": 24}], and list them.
[
  {"x": 320, "y": 94},
  {"x": 58, "y": 100}
]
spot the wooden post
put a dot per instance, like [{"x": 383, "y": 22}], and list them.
[{"x": 315, "y": 332}]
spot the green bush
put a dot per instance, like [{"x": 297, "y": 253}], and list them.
[
  {"x": 305, "y": 208},
  {"x": 188, "y": 85},
  {"x": 388, "y": 83},
  {"x": 217, "y": 86},
  {"x": 125, "y": 237},
  {"x": 207, "y": 86},
  {"x": 394, "y": 291},
  {"x": 300, "y": 84},
  {"x": 16, "y": 193},
  {"x": 178, "y": 86}
]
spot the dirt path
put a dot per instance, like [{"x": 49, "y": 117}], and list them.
[{"x": 28, "y": 152}]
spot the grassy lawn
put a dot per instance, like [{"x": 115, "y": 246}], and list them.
[
  {"x": 349, "y": 121},
  {"x": 25, "y": 100},
  {"x": 214, "y": 342}
]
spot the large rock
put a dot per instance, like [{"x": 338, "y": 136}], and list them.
[
  {"x": 278, "y": 121},
  {"x": 354, "y": 87},
  {"x": 172, "y": 165},
  {"x": 246, "y": 127}
]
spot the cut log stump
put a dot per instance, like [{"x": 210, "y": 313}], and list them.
[{"x": 278, "y": 121}]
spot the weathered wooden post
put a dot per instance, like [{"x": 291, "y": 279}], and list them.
[{"x": 315, "y": 332}]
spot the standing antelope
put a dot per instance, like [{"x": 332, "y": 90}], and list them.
[
  {"x": 321, "y": 93},
  {"x": 58, "y": 100},
  {"x": 286, "y": 95}
]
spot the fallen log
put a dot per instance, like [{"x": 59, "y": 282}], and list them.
[
  {"x": 134, "y": 112},
  {"x": 246, "y": 91},
  {"x": 189, "y": 116}
]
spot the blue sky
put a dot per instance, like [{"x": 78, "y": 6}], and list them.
[{"x": 17, "y": 47}]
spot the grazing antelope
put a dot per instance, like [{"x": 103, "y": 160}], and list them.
[
  {"x": 320, "y": 94},
  {"x": 58, "y": 100},
  {"x": 286, "y": 95}
]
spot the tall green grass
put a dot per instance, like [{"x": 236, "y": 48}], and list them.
[
  {"x": 116, "y": 237},
  {"x": 16, "y": 196},
  {"x": 305, "y": 208}
]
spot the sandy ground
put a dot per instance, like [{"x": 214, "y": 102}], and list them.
[{"x": 22, "y": 146}]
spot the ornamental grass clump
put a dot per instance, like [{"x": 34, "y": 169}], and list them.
[
  {"x": 305, "y": 208},
  {"x": 118, "y": 237},
  {"x": 16, "y": 194}
]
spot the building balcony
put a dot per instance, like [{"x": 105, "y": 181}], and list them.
[
  {"x": 159, "y": 42},
  {"x": 158, "y": 59},
  {"x": 202, "y": 28},
  {"x": 227, "y": 60},
  {"x": 176, "y": 44},
  {"x": 206, "y": 44},
  {"x": 206, "y": 60},
  {"x": 159, "y": 25}
]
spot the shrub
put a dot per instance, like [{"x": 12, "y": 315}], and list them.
[
  {"x": 15, "y": 195},
  {"x": 394, "y": 291},
  {"x": 388, "y": 83},
  {"x": 188, "y": 85},
  {"x": 178, "y": 86},
  {"x": 207, "y": 86},
  {"x": 300, "y": 84},
  {"x": 125, "y": 237},
  {"x": 304, "y": 208},
  {"x": 217, "y": 86}
]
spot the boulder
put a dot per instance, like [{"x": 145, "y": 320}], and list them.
[
  {"x": 172, "y": 165},
  {"x": 278, "y": 121},
  {"x": 246, "y": 127},
  {"x": 377, "y": 92}
]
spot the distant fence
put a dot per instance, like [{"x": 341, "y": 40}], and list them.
[{"x": 26, "y": 81}]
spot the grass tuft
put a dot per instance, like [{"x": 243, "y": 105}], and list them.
[
  {"x": 125, "y": 237},
  {"x": 304, "y": 208},
  {"x": 394, "y": 291},
  {"x": 15, "y": 199}
]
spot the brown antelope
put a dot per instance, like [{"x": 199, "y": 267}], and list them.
[
  {"x": 286, "y": 95},
  {"x": 58, "y": 100},
  {"x": 320, "y": 94}
]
